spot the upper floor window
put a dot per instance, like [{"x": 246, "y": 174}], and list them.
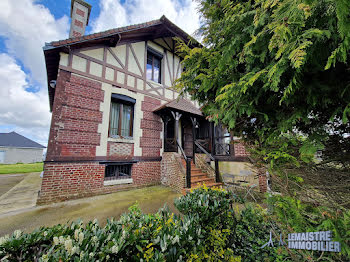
[
  {"x": 121, "y": 116},
  {"x": 154, "y": 62}
]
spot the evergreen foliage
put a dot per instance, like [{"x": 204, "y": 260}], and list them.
[{"x": 276, "y": 73}]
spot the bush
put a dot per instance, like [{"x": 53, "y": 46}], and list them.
[{"x": 208, "y": 230}]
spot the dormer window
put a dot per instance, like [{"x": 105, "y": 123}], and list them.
[{"x": 154, "y": 62}]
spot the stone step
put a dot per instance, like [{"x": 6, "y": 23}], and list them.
[
  {"x": 199, "y": 175},
  {"x": 207, "y": 180}
]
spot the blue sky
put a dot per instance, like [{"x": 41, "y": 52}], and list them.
[{"x": 25, "y": 26}]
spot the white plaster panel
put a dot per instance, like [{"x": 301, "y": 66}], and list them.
[
  {"x": 79, "y": 63},
  {"x": 140, "y": 84},
  {"x": 167, "y": 78},
  {"x": 168, "y": 94},
  {"x": 131, "y": 81},
  {"x": 120, "y": 52},
  {"x": 64, "y": 59},
  {"x": 95, "y": 69},
  {"x": 161, "y": 42},
  {"x": 120, "y": 77},
  {"x": 112, "y": 61},
  {"x": 109, "y": 74},
  {"x": 133, "y": 67},
  {"x": 139, "y": 49},
  {"x": 101, "y": 150},
  {"x": 94, "y": 53},
  {"x": 176, "y": 64},
  {"x": 155, "y": 47}
]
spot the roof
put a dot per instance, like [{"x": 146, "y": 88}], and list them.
[
  {"x": 16, "y": 140},
  {"x": 181, "y": 105},
  {"x": 154, "y": 29},
  {"x": 177, "y": 31}
]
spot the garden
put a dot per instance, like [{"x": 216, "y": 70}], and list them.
[{"x": 209, "y": 228}]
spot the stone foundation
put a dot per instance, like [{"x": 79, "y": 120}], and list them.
[{"x": 173, "y": 174}]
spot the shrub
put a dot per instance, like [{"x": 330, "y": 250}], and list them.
[{"x": 208, "y": 230}]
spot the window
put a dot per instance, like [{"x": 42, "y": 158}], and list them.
[
  {"x": 121, "y": 116},
  {"x": 117, "y": 172},
  {"x": 154, "y": 61}
]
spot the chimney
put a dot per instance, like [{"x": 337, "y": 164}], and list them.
[{"x": 80, "y": 13}]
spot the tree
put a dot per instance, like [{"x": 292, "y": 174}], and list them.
[{"x": 276, "y": 73}]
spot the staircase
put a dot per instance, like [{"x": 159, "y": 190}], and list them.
[{"x": 199, "y": 177}]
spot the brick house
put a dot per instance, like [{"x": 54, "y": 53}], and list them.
[{"x": 117, "y": 122}]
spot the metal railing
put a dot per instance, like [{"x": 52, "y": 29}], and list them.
[
  {"x": 217, "y": 171},
  {"x": 188, "y": 165}
]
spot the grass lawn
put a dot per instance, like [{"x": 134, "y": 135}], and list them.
[{"x": 21, "y": 168}]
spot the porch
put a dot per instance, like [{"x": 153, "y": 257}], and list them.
[{"x": 188, "y": 133}]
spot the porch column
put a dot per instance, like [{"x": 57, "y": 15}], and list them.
[
  {"x": 177, "y": 117},
  {"x": 194, "y": 123},
  {"x": 212, "y": 138},
  {"x": 165, "y": 119}
]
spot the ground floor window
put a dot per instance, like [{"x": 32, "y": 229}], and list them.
[{"x": 118, "y": 171}]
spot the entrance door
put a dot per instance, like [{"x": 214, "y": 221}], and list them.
[
  {"x": 169, "y": 136},
  {"x": 2, "y": 156}
]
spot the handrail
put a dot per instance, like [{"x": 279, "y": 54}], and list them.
[
  {"x": 204, "y": 151},
  {"x": 188, "y": 165},
  {"x": 181, "y": 149},
  {"x": 217, "y": 172}
]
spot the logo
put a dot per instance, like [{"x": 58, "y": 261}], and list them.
[{"x": 320, "y": 241}]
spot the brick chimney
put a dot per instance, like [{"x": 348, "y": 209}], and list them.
[{"x": 80, "y": 14}]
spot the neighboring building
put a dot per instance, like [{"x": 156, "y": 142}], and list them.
[
  {"x": 115, "y": 115},
  {"x": 15, "y": 148}
]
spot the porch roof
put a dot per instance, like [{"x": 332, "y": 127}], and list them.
[{"x": 182, "y": 105}]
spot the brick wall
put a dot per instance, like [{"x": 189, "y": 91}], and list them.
[
  {"x": 75, "y": 118},
  {"x": 151, "y": 126},
  {"x": 262, "y": 180},
  {"x": 240, "y": 150},
  {"x": 72, "y": 180},
  {"x": 172, "y": 171}
]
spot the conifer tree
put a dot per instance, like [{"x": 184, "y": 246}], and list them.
[{"x": 276, "y": 73}]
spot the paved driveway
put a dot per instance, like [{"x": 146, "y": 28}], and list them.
[
  {"x": 101, "y": 207},
  {"x": 9, "y": 181},
  {"x": 22, "y": 195}
]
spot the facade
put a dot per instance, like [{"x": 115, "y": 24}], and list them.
[
  {"x": 15, "y": 148},
  {"x": 115, "y": 111}
]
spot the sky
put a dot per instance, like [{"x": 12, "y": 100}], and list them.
[{"x": 26, "y": 25}]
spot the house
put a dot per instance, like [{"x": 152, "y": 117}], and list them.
[
  {"x": 117, "y": 122},
  {"x": 15, "y": 148}
]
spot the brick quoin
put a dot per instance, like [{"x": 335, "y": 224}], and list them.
[
  {"x": 74, "y": 128},
  {"x": 151, "y": 126},
  {"x": 76, "y": 34},
  {"x": 78, "y": 23},
  {"x": 80, "y": 12}
]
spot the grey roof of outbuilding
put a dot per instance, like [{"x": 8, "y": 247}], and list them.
[{"x": 16, "y": 140}]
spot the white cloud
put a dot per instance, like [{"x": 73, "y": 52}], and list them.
[
  {"x": 26, "y": 26},
  {"x": 114, "y": 14},
  {"x": 26, "y": 112}
]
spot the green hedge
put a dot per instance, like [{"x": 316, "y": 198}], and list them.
[{"x": 209, "y": 229}]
